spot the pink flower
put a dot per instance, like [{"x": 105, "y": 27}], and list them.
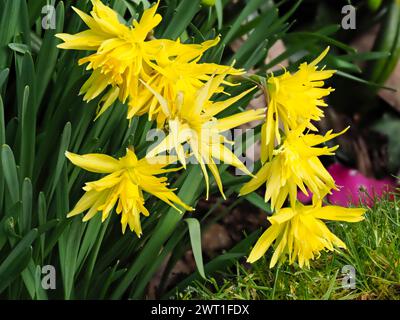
[{"x": 354, "y": 186}]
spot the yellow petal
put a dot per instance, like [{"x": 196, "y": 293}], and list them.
[
  {"x": 259, "y": 179},
  {"x": 282, "y": 216},
  {"x": 85, "y": 40},
  {"x": 320, "y": 57},
  {"x": 84, "y": 203},
  {"x": 88, "y": 20},
  {"x": 279, "y": 250},
  {"x": 240, "y": 118},
  {"x": 107, "y": 100},
  {"x": 219, "y": 106},
  {"x": 222, "y": 153},
  {"x": 94, "y": 162},
  {"x": 160, "y": 98},
  {"x": 214, "y": 170},
  {"x": 338, "y": 213},
  {"x": 264, "y": 242}
]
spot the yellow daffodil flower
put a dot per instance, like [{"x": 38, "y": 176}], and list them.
[
  {"x": 127, "y": 54},
  {"x": 122, "y": 52},
  {"x": 294, "y": 99},
  {"x": 177, "y": 74},
  {"x": 191, "y": 120},
  {"x": 299, "y": 233},
  {"x": 123, "y": 185},
  {"x": 295, "y": 164}
]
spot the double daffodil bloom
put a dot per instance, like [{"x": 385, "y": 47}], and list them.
[
  {"x": 294, "y": 99},
  {"x": 181, "y": 73},
  {"x": 191, "y": 120},
  {"x": 123, "y": 186},
  {"x": 295, "y": 164},
  {"x": 124, "y": 54},
  {"x": 299, "y": 233}
]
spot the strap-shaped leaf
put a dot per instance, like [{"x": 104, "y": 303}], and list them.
[
  {"x": 10, "y": 172},
  {"x": 183, "y": 15},
  {"x": 17, "y": 260},
  {"x": 195, "y": 240}
]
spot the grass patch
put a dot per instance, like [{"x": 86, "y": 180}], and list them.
[{"x": 373, "y": 251}]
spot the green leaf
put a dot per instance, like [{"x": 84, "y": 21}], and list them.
[
  {"x": 364, "y": 56},
  {"x": 3, "y": 77},
  {"x": 65, "y": 139},
  {"x": 17, "y": 260},
  {"x": 48, "y": 226},
  {"x": 2, "y": 122},
  {"x": 34, "y": 9},
  {"x": 55, "y": 237},
  {"x": 183, "y": 15},
  {"x": 357, "y": 79},
  {"x": 42, "y": 218},
  {"x": 69, "y": 261},
  {"x": 341, "y": 64},
  {"x": 8, "y": 27},
  {"x": 259, "y": 53},
  {"x": 251, "y": 6},
  {"x": 26, "y": 77},
  {"x": 257, "y": 36},
  {"x": 388, "y": 39},
  {"x": 47, "y": 57},
  {"x": 89, "y": 239},
  {"x": 328, "y": 40},
  {"x": 11, "y": 131},
  {"x": 331, "y": 287},
  {"x": 67, "y": 242},
  {"x": 195, "y": 239},
  {"x": 28, "y": 135},
  {"x": 94, "y": 252},
  {"x": 10, "y": 215},
  {"x": 32, "y": 279},
  {"x": 218, "y": 9},
  {"x": 130, "y": 8},
  {"x": 2, "y": 142},
  {"x": 19, "y": 47},
  {"x": 110, "y": 275},
  {"x": 258, "y": 201},
  {"x": 10, "y": 172},
  {"x": 116, "y": 251},
  {"x": 25, "y": 220}
]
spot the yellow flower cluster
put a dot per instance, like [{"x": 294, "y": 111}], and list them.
[
  {"x": 127, "y": 57},
  {"x": 290, "y": 162},
  {"x": 166, "y": 80},
  {"x": 161, "y": 78}
]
